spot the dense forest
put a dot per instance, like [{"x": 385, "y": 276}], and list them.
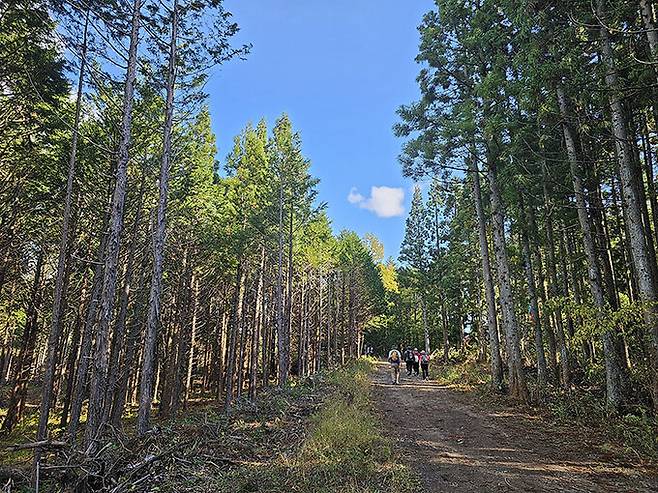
[
  {"x": 533, "y": 237},
  {"x": 142, "y": 274},
  {"x": 136, "y": 267}
]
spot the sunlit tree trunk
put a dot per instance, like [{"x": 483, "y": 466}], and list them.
[
  {"x": 492, "y": 321},
  {"x": 517, "y": 382}
]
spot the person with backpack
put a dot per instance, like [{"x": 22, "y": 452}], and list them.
[
  {"x": 409, "y": 360},
  {"x": 425, "y": 364},
  {"x": 416, "y": 363},
  {"x": 394, "y": 359}
]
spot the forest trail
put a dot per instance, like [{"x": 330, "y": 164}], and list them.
[{"x": 455, "y": 445}]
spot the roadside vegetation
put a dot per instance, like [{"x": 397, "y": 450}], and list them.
[{"x": 319, "y": 434}]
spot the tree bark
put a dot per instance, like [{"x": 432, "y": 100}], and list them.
[
  {"x": 280, "y": 328},
  {"x": 88, "y": 337},
  {"x": 517, "y": 382},
  {"x": 258, "y": 324},
  {"x": 565, "y": 359},
  {"x": 153, "y": 317},
  {"x": 94, "y": 426},
  {"x": 56, "y": 325},
  {"x": 643, "y": 268},
  {"x": 534, "y": 304},
  {"x": 234, "y": 328},
  {"x": 492, "y": 321},
  {"x": 615, "y": 373},
  {"x": 124, "y": 298},
  {"x": 23, "y": 366}
]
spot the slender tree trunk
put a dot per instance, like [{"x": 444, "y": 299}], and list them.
[
  {"x": 56, "y": 325},
  {"x": 234, "y": 328},
  {"x": 565, "y": 360},
  {"x": 492, "y": 322},
  {"x": 544, "y": 295},
  {"x": 517, "y": 382},
  {"x": 646, "y": 10},
  {"x": 534, "y": 304},
  {"x": 193, "y": 330},
  {"x": 124, "y": 298},
  {"x": 95, "y": 424},
  {"x": 25, "y": 361},
  {"x": 426, "y": 330},
  {"x": 241, "y": 349},
  {"x": 643, "y": 267},
  {"x": 615, "y": 374},
  {"x": 153, "y": 318},
  {"x": 258, "y": 323},
  {"x": 72, "y": 358},
  {"x": 133, "y": 338},
  {"x": 290, "y": 288},
  {"x": 88, "y": 337},
  {"x": 280, "y": 329}
]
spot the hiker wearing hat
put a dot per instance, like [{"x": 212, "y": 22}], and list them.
[{"x": 394, "y": 359}]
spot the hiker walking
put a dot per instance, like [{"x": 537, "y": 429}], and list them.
[
  {"x": 394, "y": 359},
  {"x": 416, "y": 363},
  {"x": 409, "y": 360},
  {"x": 425, "y": 364}
]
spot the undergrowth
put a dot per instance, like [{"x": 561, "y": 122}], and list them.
[
  {"x": 317, "y": 435},
  {"x": 345, "y": 450}
]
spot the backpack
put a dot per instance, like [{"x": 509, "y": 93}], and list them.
[
  {"x": 408, "y": 355},
  {"x": 424, "y": 358}
]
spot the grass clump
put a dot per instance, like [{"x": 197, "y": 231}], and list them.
[
  {"x": 346, "y": 449},
  {"x": 343, "y": 448}
]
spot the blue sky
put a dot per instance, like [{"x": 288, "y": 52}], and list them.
[{"x": 339, "y": 69}]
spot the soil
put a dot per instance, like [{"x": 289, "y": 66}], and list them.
[{"x": 455, "y": 444}]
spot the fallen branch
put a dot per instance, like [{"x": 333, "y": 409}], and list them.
[{"x": 47, "y": 444}]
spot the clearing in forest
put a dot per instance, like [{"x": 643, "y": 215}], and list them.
[{"x": 456, "y": 445}]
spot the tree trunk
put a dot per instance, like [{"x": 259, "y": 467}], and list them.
[
  {"x": 517, "y": 382},
  {"x": 615, "y": 373},
  {"x": 565, "y": 363},
  {"x": 133, "y": 338},
  {"x": 490, "y": 294},
  {"x": 94, "y": 426},
  {"x": 22, "y": 369},
  {"x": 258, "y": 324},
  {"x": 234, "y": 327},
  {"x": 280, "y": 328},
  {"x": 643, "y": 267},
  {"x": 534, "y": 305},
  {"x": 60, "y": 282},
  {"x": 124, "y": 298},
  {"x": 193, "y": 330},
  {"x": 153, "y": 318},
  {"x": 88, "y": 336},
  {"x": 426, "y": 331}
]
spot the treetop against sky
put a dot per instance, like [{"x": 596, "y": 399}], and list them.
[{"x": 339, "y": 69}]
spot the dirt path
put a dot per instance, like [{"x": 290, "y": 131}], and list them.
[{"x": 455, "y": 445}]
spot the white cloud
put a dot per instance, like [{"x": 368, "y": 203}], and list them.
[
  {"x": 383, "y": 201},
  {"x": 355, "y": 197}
]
